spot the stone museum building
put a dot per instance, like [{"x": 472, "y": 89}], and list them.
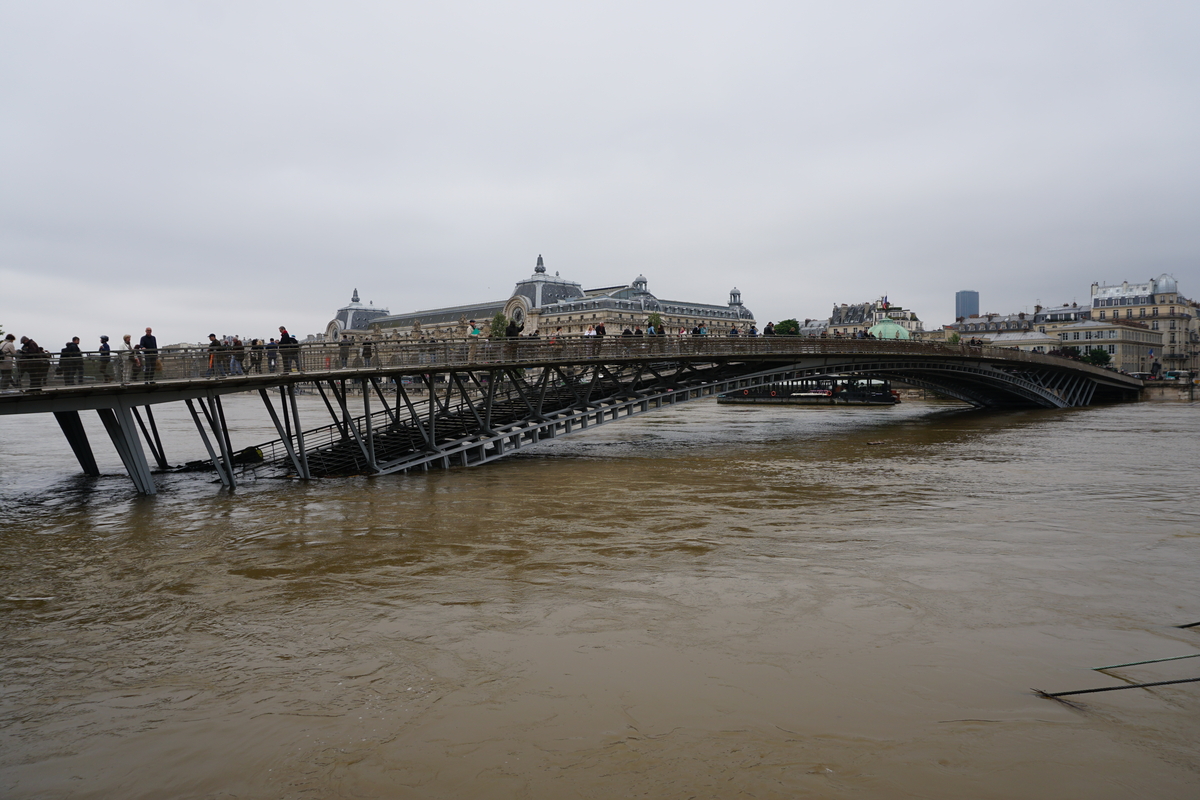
[{"x": 545, "y": 302}]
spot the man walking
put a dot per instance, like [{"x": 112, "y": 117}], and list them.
[
  {"x": 289, "y": 348},
  {"x": 70, "y": 362},
  {"x": 105, "y": 360},
  {"x": 216, "y": 366},
  {"x": 149, "y": 347}
]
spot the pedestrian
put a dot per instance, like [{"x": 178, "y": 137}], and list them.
[
  {"x": 272, "y": 350},
  {"x": 216, "y": 361},
  {"x": 368, "y": 350},
  {"x": 36, "y": 362},
  {"x": 769, "y": 330},
  {"x": 473, "y": 334},
  {"x": 344, "y": 350},
  {"x": 289, "y": 348},
  {"x": 8, "y": 362},
  {"x": 70, "y": 362},
  {"x": 149, "y": 347},
  {"x": 237, "y": 357},
  {"x": 256, "y": 356},
  {"x": 130, "y": 364},
  {"x": 105, "y": 360}
]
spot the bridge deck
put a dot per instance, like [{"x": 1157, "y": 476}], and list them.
[
  {"x": 192, "y": 373},
  {"x": 478, "y": 401}
]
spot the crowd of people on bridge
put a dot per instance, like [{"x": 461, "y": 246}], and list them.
[
  {"x": 27, "y": 365},
  {"x": 129, "y": 362}
]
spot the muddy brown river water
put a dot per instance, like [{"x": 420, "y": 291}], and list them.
[{"x": 709, "y": 602}]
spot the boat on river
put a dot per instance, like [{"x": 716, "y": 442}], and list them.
[{"x": 830, "y": 391}]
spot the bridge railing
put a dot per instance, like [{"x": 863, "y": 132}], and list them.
[{"x": 196, "y": 363}]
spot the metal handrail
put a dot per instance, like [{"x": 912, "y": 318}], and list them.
[{"x": 394, "y": 356}]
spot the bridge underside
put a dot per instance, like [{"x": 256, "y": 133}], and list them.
[
  {"x": 398, "y": 417},
  {"x": 473, "y": 416}
]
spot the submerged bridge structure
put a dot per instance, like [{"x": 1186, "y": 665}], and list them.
[{"x": 416, "y": 406}]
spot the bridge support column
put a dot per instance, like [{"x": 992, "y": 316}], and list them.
[
  {"x": 153, "y": 440},
  {"x": 223, "y": 463},
  {"x": 284, "y": 435},
  {"x": 349, "y": 424},
  {"x": 291, "y": 394},
  {"x": 369, "y": 444},
  {"x": 123, "y": 432},
  {"x": 72, "y": 428},
  {"x": 220, "y": 468}
]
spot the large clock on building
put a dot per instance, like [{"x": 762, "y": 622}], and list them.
[{"x": 518, "y": 315}]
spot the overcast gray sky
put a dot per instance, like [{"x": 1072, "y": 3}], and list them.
[{"x": 229, "y": 167}]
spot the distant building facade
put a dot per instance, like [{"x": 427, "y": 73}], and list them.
[
  {"x": 545, "y": 302},
  {"x": 1158, "y": 304},
  {"x": 1027, "y": 341},
  {"x": 966, "y": 304},
  {"x": 1042, "y": 320},
  {"x": 353, "y": 319},
  {"x": 978, "y": 325},
  {"x": 1132, "y": 346},
  {"x": 849, "y": 320}
]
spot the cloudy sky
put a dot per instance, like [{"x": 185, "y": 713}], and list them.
[{"x": 232, "y": 166}]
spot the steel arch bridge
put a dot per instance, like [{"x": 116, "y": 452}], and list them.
[{"x": 426, "y": 405}]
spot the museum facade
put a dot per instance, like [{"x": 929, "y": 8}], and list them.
[{"x": 543, "y": 303}]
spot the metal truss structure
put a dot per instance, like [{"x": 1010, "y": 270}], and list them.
[
  {"x": 466, "y": 406},
  {"x": 471, "y": 417}
]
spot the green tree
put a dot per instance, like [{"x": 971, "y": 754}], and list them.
[
  {"x": 953, "y": 338},
  {"x": 1098, "y": 357},
  {"x": 655, "y": 319},
  {"x": 1071, "y": 351},
  {"x": 787, "y": 327},
  {"x": 499, "y": 326}
]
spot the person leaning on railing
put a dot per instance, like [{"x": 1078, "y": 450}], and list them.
[
  {"x": 36, "y": 362},
  {"x": 8, "y": 361}
]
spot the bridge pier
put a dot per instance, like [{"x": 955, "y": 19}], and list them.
[
  {"x": 300, "y": 463},
  {"x": 223, "y": 464},
  {"x": 153, "y": 441},
  {"x": 72, "y": 428},
  {"x": 118, "y": 421}
]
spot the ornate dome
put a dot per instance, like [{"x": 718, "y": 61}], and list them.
[
  {"x": 1166, "y": 283},
  {"x": 888, "y": 329}
]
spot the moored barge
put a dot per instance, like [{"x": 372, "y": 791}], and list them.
[{"x": 832, "y": 391}]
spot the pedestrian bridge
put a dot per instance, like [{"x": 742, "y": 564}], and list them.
[{"x": 419, "y": 405}]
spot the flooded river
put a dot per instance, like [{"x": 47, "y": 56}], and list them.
[{"x": 707, "y": 602}]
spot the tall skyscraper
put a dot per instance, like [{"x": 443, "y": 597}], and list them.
[{"x": 966, "y": 304}]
